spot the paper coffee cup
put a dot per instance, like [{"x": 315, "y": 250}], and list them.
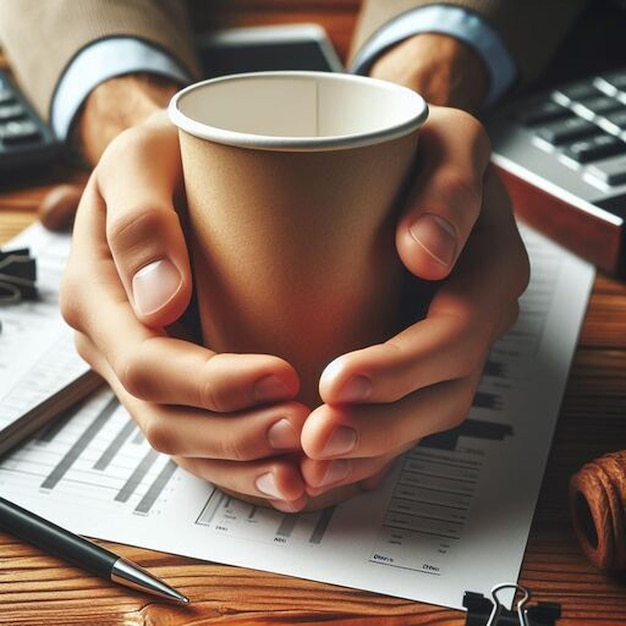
[{"x": 292, "y": 181}]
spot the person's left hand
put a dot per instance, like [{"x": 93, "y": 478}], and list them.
[{"x": 381, "y": 400}]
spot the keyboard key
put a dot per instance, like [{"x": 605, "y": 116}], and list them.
[
  {"x": 600, "y": 105},
  {"x": 567, "y": 131},
  {"x": 577, "y": 92},
  {"x": 25, "y": 140},
  {"x": 6, "y": 95},
  {"x": 595, "y": 148},
  {"x": 614, "y": 123},
  {"x": 541, "y": 113},
  {"x": 610, "y": 172},
  {"x": 612, "y": 83},
  {"x": 18, "y": 132},
  {"x": 11, "y": 111}
]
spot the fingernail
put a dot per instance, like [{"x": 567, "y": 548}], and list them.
[
  {"x": 337, "y": 471},
  {"x": 282, "y": 435},
  {"x": 266, "y": 484},
  {"x": 155, "y": 285},
  {"x": 356, "y": 389},
  {"x": 285, "y": 507},
  {"x": 436, "y": 236},
  {"x": 270, "y": 388},
  {"x": 341, "y": 441}
]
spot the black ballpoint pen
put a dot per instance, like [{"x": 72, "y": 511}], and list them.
[{"x": 85, "y": 554}]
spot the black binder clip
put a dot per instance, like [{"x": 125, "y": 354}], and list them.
[
  {"x": 18, "y": 275},
  {"x": 484, "y": 612}
]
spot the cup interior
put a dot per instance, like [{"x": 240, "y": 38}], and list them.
[{"x": 297, "y": 109}]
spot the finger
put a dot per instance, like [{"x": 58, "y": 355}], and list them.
[
  {"x": 140, "y": 181},
  {"x": 375, "y": 430},
  {"x": 246, "y": 436},
  {"x": 187, "y": 432},
  {"x": 323, "y": 476},
  {"x": 494, "y": 269},
  {"x": 475, "y": 305},
  {"x": 425, "y": 354},
  {"x": 58, "y": 207},
  {"x": 165, "y": 370},
  {"x": 148, "y": 363},
  {"x": 276, "y": 481},
  {"x": 446, "y": 196},
  {"x": 253, "y": 453}
]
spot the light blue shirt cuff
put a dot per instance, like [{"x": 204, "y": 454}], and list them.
[
  {"x": 447, "y": 20},
  {"x": 100, "y": 61}
]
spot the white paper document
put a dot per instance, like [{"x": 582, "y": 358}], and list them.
[
  {"x": 453, "y": 516},
  {"x": 37, "y": 355}
]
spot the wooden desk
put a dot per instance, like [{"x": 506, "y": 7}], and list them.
[{"x": 37, "y": 589}]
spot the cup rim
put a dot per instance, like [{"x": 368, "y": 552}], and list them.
[{"x": 301, "y": 143}]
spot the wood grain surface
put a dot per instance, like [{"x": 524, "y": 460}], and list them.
[{"x": 36, "y": 589}]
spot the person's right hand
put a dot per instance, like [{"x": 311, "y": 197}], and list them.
[{"x": 230, "y": 419}]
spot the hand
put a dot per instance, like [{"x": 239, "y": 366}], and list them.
[
  {"x": 380, "y": 401},
  {"x": 446, "y": 71},
  {"x": 230, "y": 419},
  {"x": 457, "y": 225}
]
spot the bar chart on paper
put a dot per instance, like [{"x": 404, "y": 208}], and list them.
[
  {"x": 95, "y": 453},
  {"x": 453, "y": 515}
]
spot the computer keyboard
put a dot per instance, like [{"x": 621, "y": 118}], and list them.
[
  {"x": 569, "y": 144},
  {"x": 25, "y": 140}
]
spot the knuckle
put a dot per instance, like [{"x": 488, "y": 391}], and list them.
[
  {"x": 234, "y": 449},
  {"x": 455, "y": 419},
  {"x": 130, "y": 229},
  {"x": 512, "y": 315},
  {"x": 466, "y": 402},
  {"x": 212, "y": 397},
  {"x": 523, "y": 275},
  {"x": 460, "y": 188},
  {"x": 391, "y": 440},
  {"x": 158, "y": 435},
  {"x": 461, "y": 407},
  {"x": 133, "y": 374},
  {"x": 71, "y": 295},
  {"x": 85, "y": 350},
  {"x": 471, "y": 361},
  {"x": 213, "y": 393},
  {"x": 476, "y": 131},
  {"x": 129, "y": 144},
  {"x": 70, "y": 311},
  {"x": 481, "y": 137},
  {"x": 474, "y": 336}
]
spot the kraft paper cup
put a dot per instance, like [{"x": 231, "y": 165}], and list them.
[{"x": 292, "y": 180}]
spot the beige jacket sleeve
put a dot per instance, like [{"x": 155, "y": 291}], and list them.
[
  {"x": 41, "y": 37},
  {"x": 530, "y": 29}
]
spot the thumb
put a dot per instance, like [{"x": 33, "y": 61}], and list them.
[
  {"x": 139, "y": 179},
  {"x": 446, "y": 196}
]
